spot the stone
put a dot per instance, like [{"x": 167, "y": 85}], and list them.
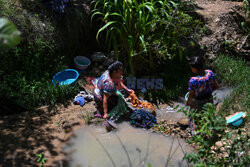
[
  {"x": 98, "y": 57},
  {"x": 226, "y": 155},
  {"x": 183, "y": 121},
  {"x": 96, "y": 71},
  {"x": 101, "y": 67},
  {"x": 219, "y": 144},
  {"x": 108, "y": 62},
  {"x": 213, "y": 152},
  {"x": 218, "y": 107},
  {"x": 222, "y": 149},
  {"x": 221, "y": 94},
  {"x": 69, "y": 124}
]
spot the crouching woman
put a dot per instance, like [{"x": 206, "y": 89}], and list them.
[{"x": 105, "y": 94}]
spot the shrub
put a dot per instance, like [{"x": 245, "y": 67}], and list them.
[{"x": 26, "y": 75}]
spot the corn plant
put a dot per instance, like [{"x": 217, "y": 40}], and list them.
[{"x": 131, "y": 25}]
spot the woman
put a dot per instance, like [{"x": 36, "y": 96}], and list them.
[
  {"x": 106, "y": 87},
  {"x": 201, "y": 86}
]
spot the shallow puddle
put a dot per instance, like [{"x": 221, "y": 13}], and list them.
[{"x": 141, "y": 146}]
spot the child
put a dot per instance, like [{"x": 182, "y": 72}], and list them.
[{"x": 201, "y": 86}]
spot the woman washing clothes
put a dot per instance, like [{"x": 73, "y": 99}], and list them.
[
  {"x": 200, "y": 88},
  {"x": 106, "y": 95}
]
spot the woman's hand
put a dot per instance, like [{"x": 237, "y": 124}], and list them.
[
  {"x": 105, "y": 105},
  {"x": 125, "y": 88},
  {"x": 130, "y": 91}
]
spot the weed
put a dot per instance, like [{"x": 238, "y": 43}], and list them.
[
  {"x": 246, "y": 6},
  {"x": 41, "y": 159},
  {"x": 87, "y": 117}
]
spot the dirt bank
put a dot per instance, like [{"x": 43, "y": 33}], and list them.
[
  {"x": 223, "y": 27},
  {"x": 25, "y": 135}
]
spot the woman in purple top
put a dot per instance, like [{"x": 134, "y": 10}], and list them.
[{"x": 201, "y": 86}]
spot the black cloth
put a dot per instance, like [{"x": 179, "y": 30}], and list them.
[{"x": 143, "y": 119}]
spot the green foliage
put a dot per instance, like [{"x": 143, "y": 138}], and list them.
[
  {"x": 231, "y": 71},
  {"x": 142, "y": 29},
  {"x": 9, "y": 35},
  {"x": 207, "y": 122},
  {"x": 246, "y": 5},
  {"x": 208, "y": 130},
  {"x": 41, "y": 159},
  {"x": 234, "y": 72},
  {"x": 149, "y": 165},
  {"x": 26, "y": 75},
  {"x": 238, "y": 154}
]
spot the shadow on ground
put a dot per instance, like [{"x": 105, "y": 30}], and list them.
[{"x": 22, "y": 137}]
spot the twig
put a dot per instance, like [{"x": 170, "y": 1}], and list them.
[
  {"x": 244, "y": 41},
  {"x": 152, "y": 150},
  {"x": 170, "y": 152},
  {"x": 113, "y": 163},
  {"x": 174, "y": 152},
  {"x": 182, "y": 150},
  {"x": 148, "y": 143},
  {"x": 124, "y": 148}
]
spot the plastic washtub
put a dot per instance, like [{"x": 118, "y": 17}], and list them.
[
  {"x": 186, "y": 96},
  {"x": 82, "y": 62},
  {"x": 236, "y": 119},
  {"x": 66, "y": 77}
]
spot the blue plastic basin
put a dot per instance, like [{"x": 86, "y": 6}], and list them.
[
  {"x": 66, "y": 77},
  {"x": 236, "y": 120}
]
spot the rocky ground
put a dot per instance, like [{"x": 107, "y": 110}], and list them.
[{"x": 224, "y": 28}]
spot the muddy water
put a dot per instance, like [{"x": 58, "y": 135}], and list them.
[{"x": 142, "y": 148}]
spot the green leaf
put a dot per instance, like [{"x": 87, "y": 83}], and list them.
[
  {"x": 96, "y": 13},
  {"x": 9, "y": 35},
  {"x": 103, "y": 28},
  {"x": 149, "y": 165},
  {"x": 143, "y": 42},
  {"x": 230, "y": 134}
]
